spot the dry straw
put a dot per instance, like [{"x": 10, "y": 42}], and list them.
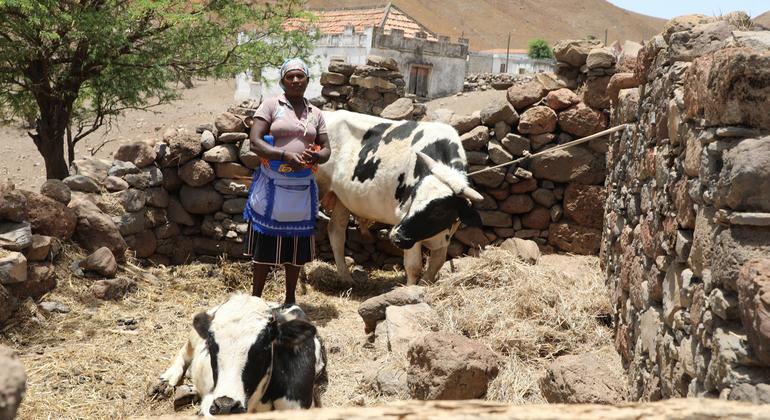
[{"x": 99, "y": 360}]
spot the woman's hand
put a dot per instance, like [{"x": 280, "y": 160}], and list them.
[
  {"x": 294, "y": 160},
  {"x": 310, "y": 156}
]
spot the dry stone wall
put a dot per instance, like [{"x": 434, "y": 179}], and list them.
[
  {"x": 376, "y": 88},
  {"x": 686, "y": 236}
]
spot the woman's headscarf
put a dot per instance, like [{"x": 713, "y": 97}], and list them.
[{"x": 292, "y": 64}]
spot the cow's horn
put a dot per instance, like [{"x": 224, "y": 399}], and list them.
[
  {"x": 427, "y": 160},
  {"x": 468, "y": 192},
  {"x": 472, "y": 194}
]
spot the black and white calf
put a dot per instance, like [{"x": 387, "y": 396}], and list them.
[
  {"x": 407, "y": 174},
  {"x": 244, "y": 356}
]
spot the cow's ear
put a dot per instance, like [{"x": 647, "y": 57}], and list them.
[
  {"x": 201, "y": 323},
  {"x": 293, "y": 333},
  {"x": 469, "y": 215}
]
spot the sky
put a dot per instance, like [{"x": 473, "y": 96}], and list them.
[{"x": 669, "y": 8}]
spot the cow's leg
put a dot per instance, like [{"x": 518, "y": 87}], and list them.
[
  {"x": 413, "y": 264},
  {"x": 174, "y": 374},
  {"x": 435, "y": 262},
  {"x": 337, "y": 229}
]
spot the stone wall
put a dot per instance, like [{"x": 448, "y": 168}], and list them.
[
  {"x": 461, "y": 410},
  {"x": 554, "y": 199},
  {"x": 686, "y": 236}
]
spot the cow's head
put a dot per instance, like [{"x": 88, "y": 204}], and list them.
[
  {"x": 241, "y": 337},
  {"x": 439, "y": 200}
]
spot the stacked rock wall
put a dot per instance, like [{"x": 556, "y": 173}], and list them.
[
  {"x": 686, "y": 236},
  {"x": 554, "y": 199}
]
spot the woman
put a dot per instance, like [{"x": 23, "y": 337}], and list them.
[{"x": 283, "y": 201}]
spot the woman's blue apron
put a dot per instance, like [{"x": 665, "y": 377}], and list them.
[{"x": 281, "y": 205}]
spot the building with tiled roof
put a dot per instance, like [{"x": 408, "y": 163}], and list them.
[{"x": 433, "y": 66}]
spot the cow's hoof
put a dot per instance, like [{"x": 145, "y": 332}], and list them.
[{"x": 161, "y": 390}]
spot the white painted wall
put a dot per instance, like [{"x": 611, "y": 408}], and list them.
[
  {"x": 354, "y": 47},
  {"x": 517, "y": 64}
]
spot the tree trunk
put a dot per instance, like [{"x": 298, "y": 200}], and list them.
[{"x": 49, "y": 139}]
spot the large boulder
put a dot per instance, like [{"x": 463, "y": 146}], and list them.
[
  {"x": 537, "y": 120},
  {"x": 574, "y": 238},
  {"x": 595, "y": 93},
  {"x": 523, "y": 249},
  {"x": 41, "y": 279},
  {"x": 584, "y": 204},
  {"x": 102, "y": 262},
  {"x": 401, "y": 109},
  {"x": 523, "y": 95},
  {"x": 56, "y": 189},
  {"x": 581, "y": 120},
  {"x": 729, "y": 87},
  {"x": 600, "y": 58},
  {"x": 39, "y": 249},
  {"x": 406, "y": 323},
  {"x": 229, "y": 123},
  {"x": 180, "y": 148},
  {"x": 221, "y": 154},
  {"x": 476, "y": 138},
  {"x": 13, "y": 383},
  {"x": 444, "y": 366},
  {"x": 574, "y": 52},
  {"x": 201, "y": 200},
  {"x": 573, "y": 164},
  {"x": 132, "y": 199},
  {"x": 754, "y": 305},
  {"x": 49, "y": 217},
  {"x": 13, "y": 205},
  {"x": 744, "y": 182},
  {"x": 97, "y": 169},
  {"x": 15, "y": 236},
  {"x": 197, "y": 173},
  {"x": 465, "y": 123},
  {"x": 82, "y": 183},
  {"x": 96, "y": 229},
  {"x": 699, "y": 41},
  {"x": 13, "y": 267},
  {"x": 140, "y": 153},
  {"x": 373, "y": 309},
  {"x": 498, "y": 109},
  {"x": 583, "y": 379},
  {"x": 561, "y": 98}
]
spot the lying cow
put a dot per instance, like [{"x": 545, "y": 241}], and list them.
[
  {"x": 244, "y": 356},
  {"x": 407, "y": 174}
]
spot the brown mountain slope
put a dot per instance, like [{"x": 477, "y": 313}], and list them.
[
  {"x": 763, "y": 19},
  {"x": 487, "y": 22}
]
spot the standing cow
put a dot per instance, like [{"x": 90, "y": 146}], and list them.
[
  {"x": 407, "y": 174},
  {"x": 246, "y": 356}
]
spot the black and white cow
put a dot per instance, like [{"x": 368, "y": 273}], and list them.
[
  {"x": 246, "y": 356},
  {"x": 404, "y": 173}
]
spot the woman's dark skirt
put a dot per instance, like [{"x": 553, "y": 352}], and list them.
[{"x": 278, "y": 250}]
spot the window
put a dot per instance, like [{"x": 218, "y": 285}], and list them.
[
  {"x": 419, "y": 79},
  {"x": 522, "y": 70},
  {"x": 502, "y": 68}
]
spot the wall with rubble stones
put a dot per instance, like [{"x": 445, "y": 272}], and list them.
[{"x": 686, "y": 235}]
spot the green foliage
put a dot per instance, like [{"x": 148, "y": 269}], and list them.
[
  {"x": 538, "y": 48},
  {"x": 82, "y": 62}
]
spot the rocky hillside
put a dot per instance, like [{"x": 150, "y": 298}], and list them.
[
  {"x": 763, "y": 19},
  {"x": 487, "y": 22}
]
